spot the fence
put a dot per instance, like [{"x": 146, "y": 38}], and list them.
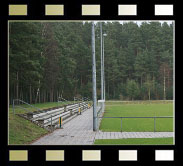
[{"x": 140, "y": 117}]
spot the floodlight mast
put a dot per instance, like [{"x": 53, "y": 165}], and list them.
[
  {"x": 102, "y": 83},
  {"x": 94, "y": 80},
  {"x": 103, "y": 69}
]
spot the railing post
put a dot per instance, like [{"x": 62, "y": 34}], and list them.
[
  {"x": 13, "y": 107},
  {"x": 70, "y": 112},
  {"x": 79, "y": 110},
  {"x": 60, "y": 122},
  {"x": 121, "y": 124}
]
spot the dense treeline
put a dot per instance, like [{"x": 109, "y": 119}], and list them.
[{"x": 51, "y": 59}]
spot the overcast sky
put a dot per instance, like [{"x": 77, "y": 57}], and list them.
[{"x": 138, "y": 22}]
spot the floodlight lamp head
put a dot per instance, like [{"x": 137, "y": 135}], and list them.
[{"x": 104, "y": 34}]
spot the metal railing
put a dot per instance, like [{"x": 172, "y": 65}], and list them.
[
  {"x": 37, "y": 109},
  {"x": 63, "y": 101},
  {"x": 66, "y": 112},
  {"x": 86, "y": 98},
  {"x": 77, "y": 99},
  {"x": 141, "y": 117},
  {"x": 99, "y": 113},
  {"x": 68, "y": 109}
]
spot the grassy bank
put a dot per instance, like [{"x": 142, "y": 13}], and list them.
[{"x": 22, "y": 131}]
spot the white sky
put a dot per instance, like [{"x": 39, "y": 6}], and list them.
[{"x": 138, "y": 22}]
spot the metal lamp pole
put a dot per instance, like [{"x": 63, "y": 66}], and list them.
[
  {"x": 103, "y": 69},
  {"x": 102, "y": 83},
  {"x": 94, "y": 80}
]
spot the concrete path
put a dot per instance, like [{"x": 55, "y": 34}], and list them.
[
  {"x": 79, "y": 131},
  {"x": 121, "y": 135}
]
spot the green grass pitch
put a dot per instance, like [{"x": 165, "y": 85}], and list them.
[
  {"x": 135, "y": 141},
  {"x": 137, "y": 109}
]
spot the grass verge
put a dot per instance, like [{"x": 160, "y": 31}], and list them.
[
  {"x": 135, "y": 141},
  {"x": 22, "y": 131}
]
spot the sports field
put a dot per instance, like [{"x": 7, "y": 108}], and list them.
[{"x": 138, "y": 109}]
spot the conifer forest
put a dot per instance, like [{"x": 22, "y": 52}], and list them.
[{"x": 52, "y": 59}]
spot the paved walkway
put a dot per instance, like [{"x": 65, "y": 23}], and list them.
[
  {"x": 120, "y": 135},
  {"x": 79, "y": 131}
]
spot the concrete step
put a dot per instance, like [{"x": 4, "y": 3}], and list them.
[
  {"x": 52, "y": 117},
  {"x": 35, "y": 116},
  {"x": 47, "y": 116},
  {"x": 48, "y": 113},
  {"x": 47, "y": 120},
  {"x": 55, "y": 120},
  {"x": 67, "y": 119}
]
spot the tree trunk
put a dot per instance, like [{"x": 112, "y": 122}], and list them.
[
  {"x": 81, "y": 81},
  {"x": 149, "y": 94},
  {"x": 44, "y": 96},
  {"x": 57, "y": 96},
  {"x": 113, "y": 90},
  {"x": 17, "y": 86},
  {"x": 168, "y": 79},
  {"x": 51, "y": 95},
  {"x": 47, "y": 96},
  {"x": 153, "y": 81},
  {"x": 30, "y": 91},
  {"x": 108, "y": 87},
  {"x": 164, "y": 86},
  {"x": 37, "y": 93},
  {"x": 39, "y": 96},
  {"x": 22, "y": 97}
]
